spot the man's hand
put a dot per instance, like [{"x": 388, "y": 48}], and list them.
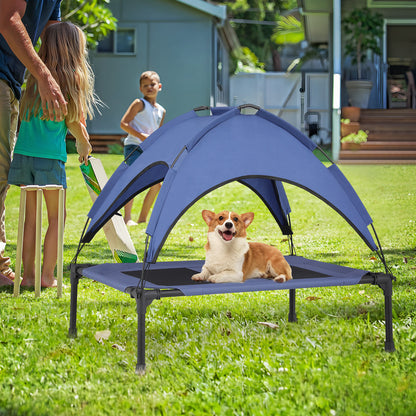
[{"x": 53, "y": 103}]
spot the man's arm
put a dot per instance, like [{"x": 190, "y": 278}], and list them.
[{"x": 16, "y": 36}]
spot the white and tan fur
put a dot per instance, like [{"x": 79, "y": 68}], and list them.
[{"x": 231, "y": 258}]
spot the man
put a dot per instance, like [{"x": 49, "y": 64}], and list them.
[{"x": 21, "y": 24}]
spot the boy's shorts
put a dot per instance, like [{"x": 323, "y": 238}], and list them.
[
  {"x": 132, "y": 151},
  {"x": 30, "y": 170}
]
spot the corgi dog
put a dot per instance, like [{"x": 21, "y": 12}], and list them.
[{"x": 231, "y": 258}]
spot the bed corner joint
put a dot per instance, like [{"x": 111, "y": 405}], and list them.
[{"x": 385, "y": 282}]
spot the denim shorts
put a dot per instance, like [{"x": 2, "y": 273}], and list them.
[
  {"x": 30, "y": 170},
  {"x": 134, "y": 151}
]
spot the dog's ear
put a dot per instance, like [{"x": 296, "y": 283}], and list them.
[
  {"x": 208, "y": 216},
  {"x": 247, "y": 218}
]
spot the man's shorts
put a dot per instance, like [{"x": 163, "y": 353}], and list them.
[{"x": 30, "y": 170}]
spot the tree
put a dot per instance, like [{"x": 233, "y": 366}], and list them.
[
  {"x": 257, "y": 24},
  {"x": 92, "y": 16}
]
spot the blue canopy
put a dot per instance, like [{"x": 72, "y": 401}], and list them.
[{"x": 195, "y": 154}]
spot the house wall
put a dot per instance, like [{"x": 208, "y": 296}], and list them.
[{"x": 175, "y": 40}]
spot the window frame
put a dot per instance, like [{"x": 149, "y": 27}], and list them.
[{"x": 114, "y": 50}]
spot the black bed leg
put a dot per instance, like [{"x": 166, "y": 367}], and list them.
[
  {"x": 143, "y": 299},
  {"x": 72, "y": 333},
  {"x": 385, "y": 283},
  {"x": 141, "y": 335},
  {"x": 292, "y": 306}
]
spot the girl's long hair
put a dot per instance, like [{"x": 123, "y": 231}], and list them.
[{"x": 64, "y": 52}]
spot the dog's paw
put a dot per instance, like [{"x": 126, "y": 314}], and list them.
[
  {"x": 281, "y": 278},
  {"x": 199, "y": 276}
]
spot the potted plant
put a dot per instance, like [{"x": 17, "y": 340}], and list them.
[
  {"x": 351, "y": 113},
  {"x": 353, "y": 140},
  {"x": 363, "y": 30},
  {"x": 348, "y": 127}
]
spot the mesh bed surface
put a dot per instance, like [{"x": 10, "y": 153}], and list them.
[{"x": 177, "y": 275}]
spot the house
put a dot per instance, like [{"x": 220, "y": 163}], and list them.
[
  {"x": 186, "y": 41},
  {"x": 322, "y": 22}
]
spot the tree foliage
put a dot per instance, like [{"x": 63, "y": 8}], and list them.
[
  {"x": 93, "y": 16},
  {"x": 288, "y": 30},
  {"x": 262, "y": 28}
]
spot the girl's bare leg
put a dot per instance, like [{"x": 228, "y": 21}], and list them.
[
  {"x": 148, "y": 201},
  {"x": 127, "y": 212},
  {"x": 29, "y": 238},
  {"x": 50, "y": 244}
]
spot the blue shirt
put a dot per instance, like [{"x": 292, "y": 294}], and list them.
[{"x": 37, "y": 15}]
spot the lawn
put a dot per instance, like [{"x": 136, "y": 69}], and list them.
[{"x": 209, "y": 355}]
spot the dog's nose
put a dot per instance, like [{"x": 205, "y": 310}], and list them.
[{"x": 228, "y": 224}]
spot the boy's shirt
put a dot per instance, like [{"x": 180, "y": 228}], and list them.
[{"x": 147, "y": 121}]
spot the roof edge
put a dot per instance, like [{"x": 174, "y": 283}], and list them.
[{"x": 219, "y": 11}]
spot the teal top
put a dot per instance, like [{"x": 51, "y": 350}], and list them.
[{"x": 42, "y": 138}]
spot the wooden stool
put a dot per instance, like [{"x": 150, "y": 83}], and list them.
[{"x": 38, "y": 247}]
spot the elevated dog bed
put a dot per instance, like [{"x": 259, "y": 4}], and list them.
[{"x": 258, "y": 150}]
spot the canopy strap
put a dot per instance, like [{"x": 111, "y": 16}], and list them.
[
  {"x": 380, "y": 253},
  {"x": 290, "y": 238},
  {"x": 146, "y": 265},
  {"x": 80, "y": 244},
  {"x": 325, "y": 154}
]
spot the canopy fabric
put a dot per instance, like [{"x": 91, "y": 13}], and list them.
[{"x": 196, "y": 154}]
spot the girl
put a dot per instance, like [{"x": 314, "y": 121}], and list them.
[{"x": 40, "y": 151}]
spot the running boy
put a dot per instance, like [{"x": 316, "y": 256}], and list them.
[
  {"x": 141, "y": 119},
  {"x": 40, "y": 151}
]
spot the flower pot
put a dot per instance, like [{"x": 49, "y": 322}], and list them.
[
  {"x": 351, "y": 113},
  {"x": 348, "y": 128},
  {"x": 359, "y": 92},
  {"x": 350, "y": 146}
]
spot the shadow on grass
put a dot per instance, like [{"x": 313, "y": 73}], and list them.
[{"x": 401, "y": 252}]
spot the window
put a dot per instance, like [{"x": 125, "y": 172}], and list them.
[{"x": 122, "y": 41}]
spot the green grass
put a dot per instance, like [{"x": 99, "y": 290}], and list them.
[{"x": 209, "y": 355}]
